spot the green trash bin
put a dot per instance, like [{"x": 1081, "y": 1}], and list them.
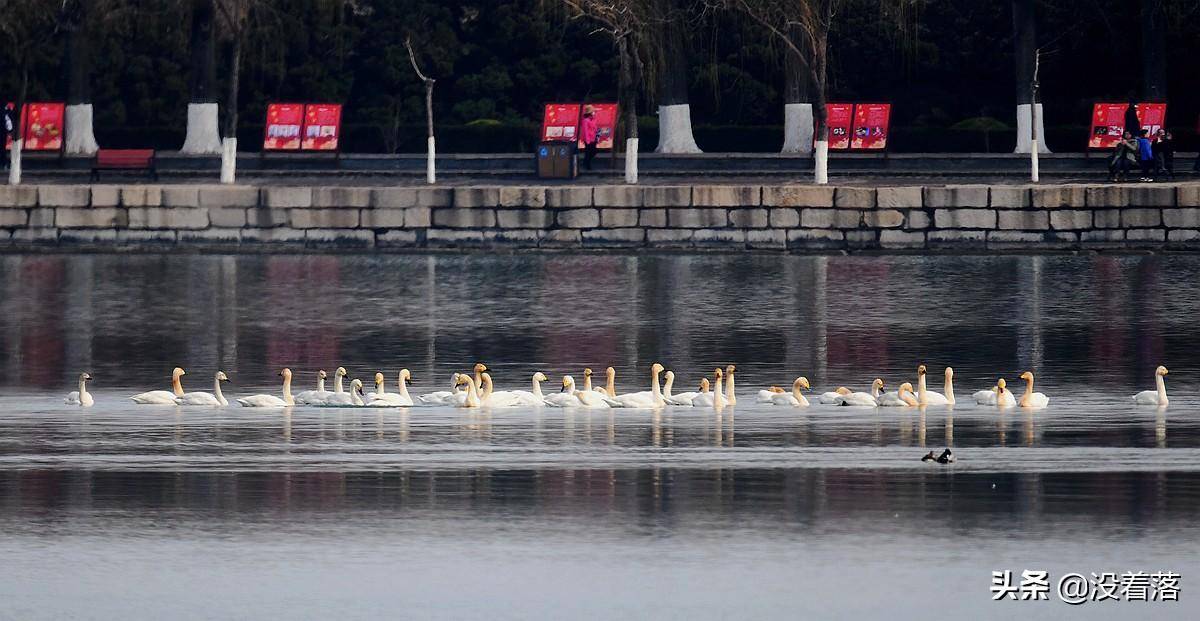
[{"x": 557, "y": 160}]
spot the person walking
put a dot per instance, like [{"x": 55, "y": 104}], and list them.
[
  {"x": 1133, "y": 124},
  {"x": 1145, "y": 151},
  {"x": 590, "y": 134},
  {"x": 1125, "y": 155},
  {"x": 8, "y": 125}
]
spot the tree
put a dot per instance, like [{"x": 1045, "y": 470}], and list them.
[
  {"x": 203, "y": 114},
  {"x": 797, "y": 105},
  {"x": 802, "y": 27},
  {"x": 628, "y": 23},
  {"x": 431, "y": 157},
  {"x": 25, "y": 23},
  {"x": 77, "y": 17},
  {"x": 672, "y": 75},
  {"x": 1025, "y": 49},
  {"x": 1153, "y": 18}
]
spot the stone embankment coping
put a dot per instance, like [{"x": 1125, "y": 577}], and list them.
[{"x": 779, "y": 218}]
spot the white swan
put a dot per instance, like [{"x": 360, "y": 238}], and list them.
[
  {"x": 352, "y": 399},
  {"x": 163, "y": 397},
  {"x": 929, "y": 397},
  {"x": 601, "y": 392},
  {"x": 535, "y": 397},
  {"x": 863, "y": 399},
  {"x": 683, "y": 398},
  {"x": 1032, "y": 399},
  {"x": 903, "y": 397},
  {"x": 830, "y": 398},
  {"x": 796, "y": 398},
  {"x": 610, "y": 386},
  {"x": 704, "y": 398},
  {"x": 651, "y": 399},
  {"x": 765, "y": 396},
  {"x": 999, "y": 395},
  {"x": 1146, "y": 397},
  {"x": 308, "y": 397},
  {"x": 401, "y": 398},
  {"x": 442, "y": 397},
  {"x": 497, "y": 398},
  {"x": 565, "y": 398},
  {"x": 271, "y": 401},
  {"x": 81, "y": 397},
  {"x": 380, "y": 387},
  {"x": 469, "y": 397},
  {"x": 714, "y": 399},
  {"x": 209, "y": 399},
  {"x": 730, "y": 393},
  {"x": 339, "y": 394}
]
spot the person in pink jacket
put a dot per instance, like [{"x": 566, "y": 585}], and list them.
[{"x": 589, "y": 133}]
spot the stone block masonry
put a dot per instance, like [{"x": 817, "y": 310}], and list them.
[{"x": 702, "y": 217}]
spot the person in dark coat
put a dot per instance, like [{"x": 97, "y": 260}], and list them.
[
  {"x": 1164, "y": 154},
  {"x": 1132, "y": 124},
  {"x": 1125, "y": 155}
]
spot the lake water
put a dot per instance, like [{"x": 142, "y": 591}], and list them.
[{"x": 138, "y": 512}]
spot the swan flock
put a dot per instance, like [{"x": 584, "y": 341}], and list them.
[{"x": 477, "y": 390}]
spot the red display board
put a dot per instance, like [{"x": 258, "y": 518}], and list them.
[
  {"x": 322, "y": 127},
  {"x": 871, "y": 123},
  {"x": 1108, "y": 122},
  {"x": 283, "y": 127},
  {"x": 838, "y": 117},
  {"x": 42, "y": 127},
  {"x": 561, "y": 122},
  {"x": 606, "y": 125}
]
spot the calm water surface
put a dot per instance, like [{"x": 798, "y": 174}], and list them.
[{"x": 133, "y": 512}]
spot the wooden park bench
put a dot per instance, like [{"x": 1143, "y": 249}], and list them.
[{"x": 124, "y": 160}]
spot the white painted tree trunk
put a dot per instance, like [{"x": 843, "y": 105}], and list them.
[
  {"x": 821, "y": 163},
  {"x": 431, "y": 162},
  {"x": 1025, "y": 123},
  {"x": 81, "y": 135},
  {"x": 203, "y": 135},
  {"x": 1034, "y": 172},
  {"x": 631, "y": 160},
  {"x": 14, "y": 167},
  {"x": 228, "y": 160},
  {"x": 797, "y": 128},
  {"x": 675, "y": 130}
]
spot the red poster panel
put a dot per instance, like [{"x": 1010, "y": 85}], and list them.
[
  {"x": 871, "y": 126},
  {"x": 606, "y": 125},
  {"x": 322, "y": 127},
  {"x": 560, "y": 122},
  {"x": 43, "y": 126},
  {"x": 1108, "y": 122},
  {"x": 282, "y": 130},
  {"x": 838, "y": 117}
]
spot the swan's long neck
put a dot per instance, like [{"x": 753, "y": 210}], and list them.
[
  {"x": 950, "y": 389},
  {"x": 472, "y": 395},
  {"x": 907, "y": 397},
  {"x": 83, "y": 388},
  {"x": 611, "y": 387},
  {"x": 875, "y": 388},
  {"x": 177, "y": 385},
  {"x": 718, "y": 395},
  {"x": 668, "y": 386},
  {"x": 382, "y": 387},
  {"x": 287, "y": 390},
  {"x": 799, "y": 395},
  {"x": 730, "y": 394},
  {"x": 402, "y": 387},
  {"x": 487, "y": 390},
  {"x": 1028, "y": 388},
  {"x": 587, "y": 383},
  {"x": 1158, "y": 381},
  {"x": 537, "y": 388},
  {"x": 337, "y": 384},
  {"x": 921, "y": 390},
  {"x": 355, "y": 396},
  {"x": 656, "y": 390},
  {"x": 216, "y": 390},
  {"x": 478, "y": 380},
  {"x": 320, "y": 384},
  {"x": 454, "y": 383}
]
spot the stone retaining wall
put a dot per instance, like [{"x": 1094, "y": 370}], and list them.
[{"x": 795, "y": 218}]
